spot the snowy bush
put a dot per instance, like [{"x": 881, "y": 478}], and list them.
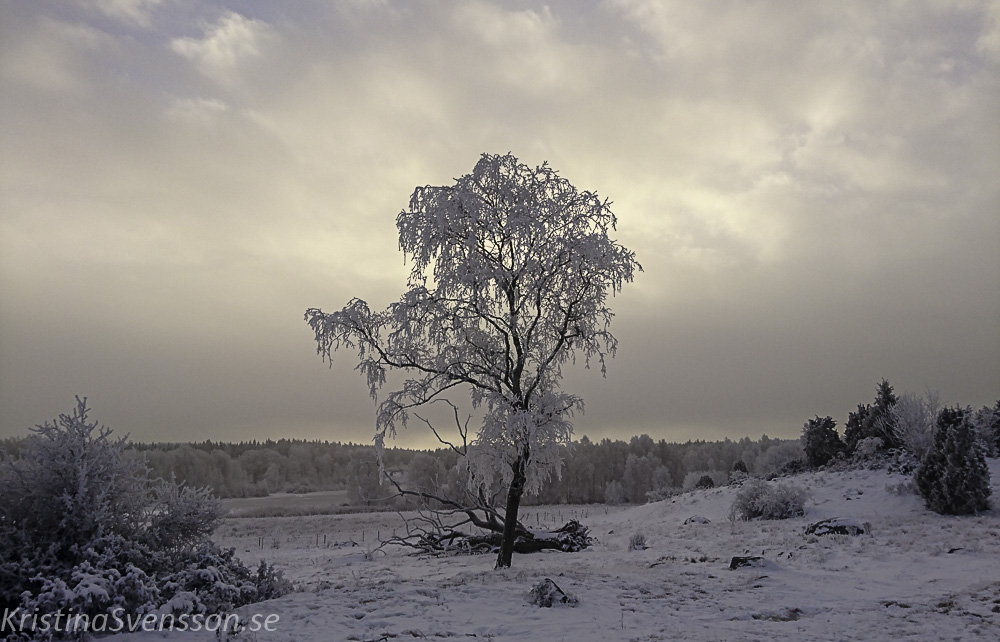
[
  {"x": 705, "y": 479},
  {"x": 901, "y": 461},
  {"x": 759, "y": 500},
  {"x": 953, "y": 478},
  {"x": 82, "y": 527},
  {"x": 637, "y": 542},
  {"x": 869, "y": 452},
  {"x": 213, "y": 580},
  {"x": 270, "y": 582},
  {"x": 662, "y": 493},
  {"x": 737, "y": 477}
]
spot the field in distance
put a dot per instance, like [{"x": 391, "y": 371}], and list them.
[{"x": 324, "y": 502}]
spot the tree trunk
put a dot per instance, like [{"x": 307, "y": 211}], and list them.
[{"x": 510, "y": 515}]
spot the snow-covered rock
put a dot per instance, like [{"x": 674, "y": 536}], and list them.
[
  {"x": 547, "y": 593},
  {"x": 838, "y": 526},
  {"x": 697, "y": 519}
]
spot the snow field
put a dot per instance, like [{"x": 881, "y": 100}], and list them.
[{"x": 915, "y": 576}]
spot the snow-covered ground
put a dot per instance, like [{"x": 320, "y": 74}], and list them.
[{"x": 915, "y": 576}]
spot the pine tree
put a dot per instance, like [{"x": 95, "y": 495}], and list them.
[
  {"x": 996, "y": 425},
  {"x": 874, "y": 420},
  {"x": 881, "y": 422},
  {"x": 953, "y": 478},
  {"x": 986, "y": 421},
  {"x": 853, "y": 429},
  {"x": 821, "y": 441}
]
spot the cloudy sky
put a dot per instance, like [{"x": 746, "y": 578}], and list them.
[{"x": 813, "y": 189}]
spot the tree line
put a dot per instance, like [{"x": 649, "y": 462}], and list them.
[
  {"x": 895, "y": 425},
  {"x": 605, "y": 471}
]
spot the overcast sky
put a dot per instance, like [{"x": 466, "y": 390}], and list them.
[{"x": 813, "y": 189}]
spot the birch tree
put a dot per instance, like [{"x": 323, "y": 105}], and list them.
[{"x": 511, "y": 271}]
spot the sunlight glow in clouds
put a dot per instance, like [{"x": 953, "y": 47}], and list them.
[
  {"x": 233, "y": 40},
  {"x": 810, "y": 187}
]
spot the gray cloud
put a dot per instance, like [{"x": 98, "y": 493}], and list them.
[{"x": 811, "y": 191}]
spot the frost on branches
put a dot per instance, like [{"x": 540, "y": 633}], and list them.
[{"x": 512, "y": 267}]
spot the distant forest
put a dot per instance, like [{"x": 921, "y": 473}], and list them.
[
  {"x": 593, "y": 472},
  {"x": 609, "y": 471}
]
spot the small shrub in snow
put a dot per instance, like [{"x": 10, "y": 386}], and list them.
[
  {"x": 659, "y": 494},
  {"x": 759, "y": 500},
  {"x": 869, "y": 452},
  {"x": 637, "y": 542},
  {"x": 270, "y": 582},
  {"x": 953, "y": 478},
  {"x": 702, "y": 478},
  {"x": 901, "y": 461},
  {"x": 793, "y": 467},
  {"x": 706, "y": 481}
]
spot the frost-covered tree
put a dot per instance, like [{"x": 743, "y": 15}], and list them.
[
  {"x": 986, "y": 423},
  {"x": 915, "y": 417},
  {"x": 953, "y": 478},
  {"x": 821, "y": 441},
  {"x": 512, "y": 266}
]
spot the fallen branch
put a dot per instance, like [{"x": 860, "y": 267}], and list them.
[{"x": 443, "y": 529}]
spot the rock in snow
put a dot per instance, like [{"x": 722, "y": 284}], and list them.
[
  {"x": 750, "y": 561},
  {"x": 838, "y": 526},
  {"x": 547, "y": 593}
]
